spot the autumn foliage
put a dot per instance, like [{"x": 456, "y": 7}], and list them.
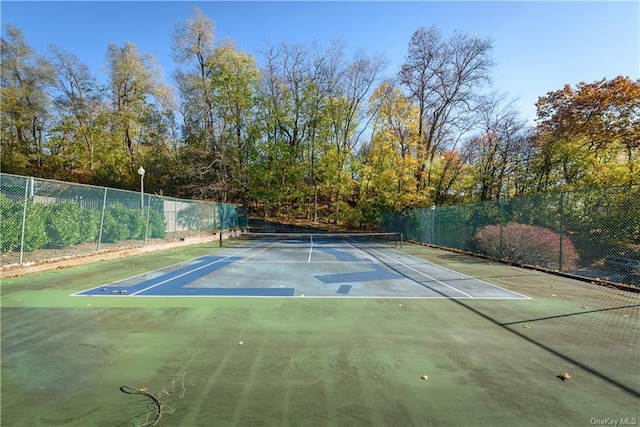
[
  {"x": 309, "y": 132},
  {"x": 528, "y": 245},
  {"x": 589, "y": 135}
]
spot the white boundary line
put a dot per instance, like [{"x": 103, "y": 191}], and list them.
[
  {"x": 77, "y": 294},
  {"x": 314, "y": 261},
  {"x": 180, "y": 275},
  {"x": 424, "y": 274},
  {"x": 348, "y": 247},
  {"x": 257, "y": 253},
  {"x": 365, "y": 253},
  {"x": 309, "y": 296},
  {"x": 463, "y": 274}
]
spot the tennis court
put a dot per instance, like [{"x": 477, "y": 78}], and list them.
[
  {"x": 403, "y": 346},
  {"x": 307, "y": 265}
]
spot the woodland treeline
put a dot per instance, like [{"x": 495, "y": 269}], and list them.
[{"x": 309, "y": 131}]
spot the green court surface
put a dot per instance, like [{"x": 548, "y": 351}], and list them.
[{"x": 293, "y": 361}]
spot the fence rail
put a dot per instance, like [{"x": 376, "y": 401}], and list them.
[
  {"x": 44, "y": 219},
  {"x": 593, "y": 234}
]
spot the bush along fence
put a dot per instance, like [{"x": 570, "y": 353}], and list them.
[
  {"x": 594, "y": 234},
  {"x": 44, "y": 219}
]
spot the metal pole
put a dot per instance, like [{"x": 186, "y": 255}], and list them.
[
  {"x": 175, "y": 219},
  {"x": 433, "y": 223},
  {"x": 500, "y": 255},
  {"x": 146, "y": 225},
  {"x": 216, "y": 222},
  {"x": 104, "y": 206},
  {"x": 24, "y": 218},
  {"x": 561, "y": 231},
  {"x": 141, "y": 173}
]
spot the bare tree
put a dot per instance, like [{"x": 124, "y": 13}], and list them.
[
  {"x": 324, "y": 82},
  {"x": 496, "y": 151},
  {"x": 347, "y": 117},
  {"x": 443, "y": 76}
]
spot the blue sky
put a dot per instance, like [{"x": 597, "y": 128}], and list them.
[{"x": 538, "y": 46}]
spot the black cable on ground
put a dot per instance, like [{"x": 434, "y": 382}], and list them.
[{"x": 156, "y": 401}]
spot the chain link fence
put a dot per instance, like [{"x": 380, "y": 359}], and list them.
[
  {"x": 45, "y": 219},
  {"x": 593, "y": 234}
]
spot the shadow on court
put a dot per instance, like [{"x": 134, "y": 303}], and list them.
[{"x": 316, "y": 361}]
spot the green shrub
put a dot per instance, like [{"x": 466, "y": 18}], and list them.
[
  {"x": 135, "y": 223},
  {"x": 121, "y": 223},
  {"x": 10, "y": 224},
  {"x": 89, "y": 225},
  {"x": 157, "y": 227},
  {"x": 63, "y": 224},
  {"x": 35, "y": 233},
  {"x": 115, "y": 227}
]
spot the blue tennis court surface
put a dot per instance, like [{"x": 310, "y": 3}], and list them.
[{"x": 287, "y": 267}]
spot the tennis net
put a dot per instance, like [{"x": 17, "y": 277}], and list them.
[{"x": 329, "y": 240}]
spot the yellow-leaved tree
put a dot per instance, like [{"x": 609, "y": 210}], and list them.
[
  {"x": 391, "y": 158},
  {"x": 589, "y": 136}
]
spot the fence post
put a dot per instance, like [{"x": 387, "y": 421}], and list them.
[
  {"x": 175, "y": 219},
  {"x": 146, "y": 225},
  {"x": 561, "y": 208},
  {"x": 501, "y": 256},
  {"x": 214, "y": 215},
  {"x": 24, "y": 218},
  {"x": 433, "y": 223},
  {"x": 104, "y": 205},
  {"x": 223, "y": 220}
]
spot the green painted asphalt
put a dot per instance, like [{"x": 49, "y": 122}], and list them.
[{"x": 317, "y": 362}]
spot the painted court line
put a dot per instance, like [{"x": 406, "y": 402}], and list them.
[
  {"x": 373, "y": 256},
  {"x": 314, "y": 261},
  {"x": 348, "y": 247},
  {"x": 365, "y": 254},
  {"x": 137, "y": 275},
  {"x": 424, "y": 274},
  {"x": 259, "y": 252},
  {"x": 87, "y": 292},
  {"x": 181, "y": 275},
  {"x": 466, "y": 275}
]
